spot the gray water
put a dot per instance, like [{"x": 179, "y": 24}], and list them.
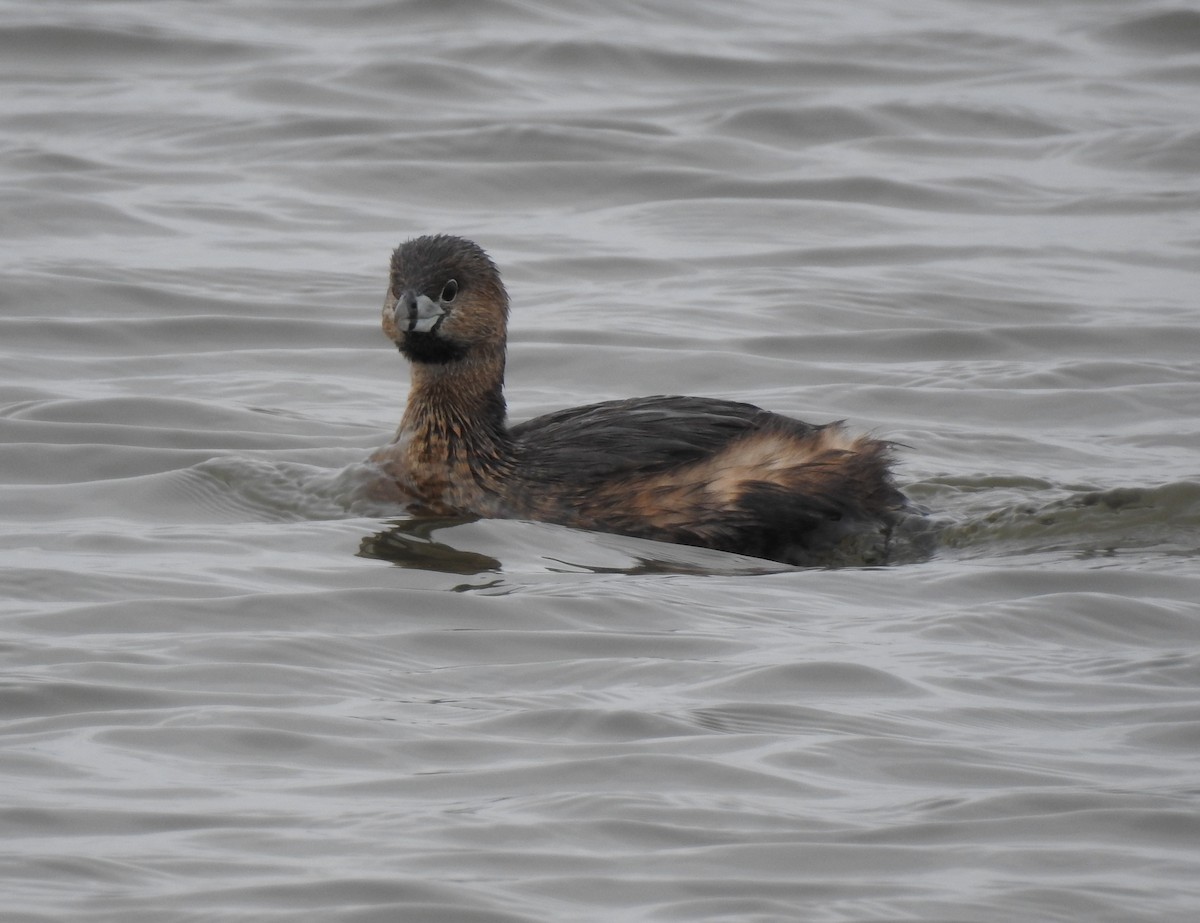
[{"x": 235, "y": 691}]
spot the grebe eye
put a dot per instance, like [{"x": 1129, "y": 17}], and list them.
[{"x": 449, "y": 291}]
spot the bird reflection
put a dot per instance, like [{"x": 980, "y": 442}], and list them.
[{"x": 410, "y": 543}]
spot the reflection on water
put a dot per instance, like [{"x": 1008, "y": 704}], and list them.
[{"x": 410, "y": 543}]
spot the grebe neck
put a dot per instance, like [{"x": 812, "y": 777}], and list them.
[{"x": 457, "y": 409}]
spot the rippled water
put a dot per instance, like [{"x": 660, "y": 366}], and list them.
[{"x": 234, "y": 690}]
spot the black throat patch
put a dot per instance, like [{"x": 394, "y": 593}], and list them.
[{"x": 430, "y": 348}]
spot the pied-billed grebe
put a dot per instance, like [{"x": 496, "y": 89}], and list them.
[{"x": 691, "y": 470}]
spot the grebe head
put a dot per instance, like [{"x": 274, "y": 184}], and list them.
[{"x": 445, "y": 301}]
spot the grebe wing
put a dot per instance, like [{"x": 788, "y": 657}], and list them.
[{"x": 639, "y": 434}]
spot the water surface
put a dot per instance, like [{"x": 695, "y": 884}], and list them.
[{"x": 235, "y": 690}]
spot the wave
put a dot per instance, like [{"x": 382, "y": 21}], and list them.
[
  {"x": 1085, "y": 523},
  {"x": 967, "y": 519}
]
